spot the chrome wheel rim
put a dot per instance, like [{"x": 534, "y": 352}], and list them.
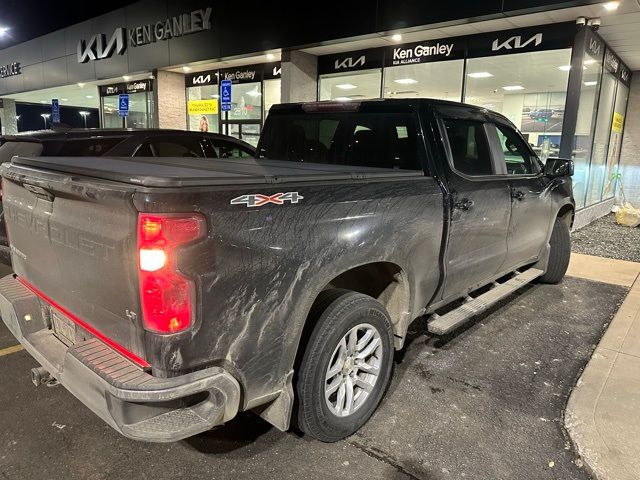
[{"x": 353, "y": 370}]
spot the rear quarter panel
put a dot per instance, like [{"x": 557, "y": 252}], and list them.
[{"x": 260, "y": 268}]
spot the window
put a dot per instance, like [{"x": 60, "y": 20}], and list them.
[
  {"x": 83, "y": 147},
  {"x": 516, "y": 154},
  {"x": 365, "y": 139},
  {"x": 351, "y": 86},
  {"x": 229, "y": 150},
  {"x": 178, "y": 147},
  {"x": 469, "y": 147},
  {"x": 202, "y": 106},
  {"x": 529, "y": 89},
  {"x": 442, "y": 80}
]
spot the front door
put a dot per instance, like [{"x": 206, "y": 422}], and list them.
[
  {"x": 480, "y": 207},
  {"x": 530, "y": 197}
]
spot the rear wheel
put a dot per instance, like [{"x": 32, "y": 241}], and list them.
[
  {"x": 346, "y": 366},
  {"x": 559, "y": 253}
]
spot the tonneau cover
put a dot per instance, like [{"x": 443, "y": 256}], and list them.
[{"x": 188, "y": 171}]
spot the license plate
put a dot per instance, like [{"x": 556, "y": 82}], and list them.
[{"x": 63, "y": 328}]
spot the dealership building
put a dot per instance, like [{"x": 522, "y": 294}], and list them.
[{"x": 562, "y": 72}]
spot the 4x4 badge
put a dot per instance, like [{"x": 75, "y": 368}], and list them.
[{"x": 258, "y": 199}]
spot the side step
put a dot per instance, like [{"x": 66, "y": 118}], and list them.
[{"x": 443, "y": 324}]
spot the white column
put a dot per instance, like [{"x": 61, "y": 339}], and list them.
[
  {"x": 299, "y": 81},
  {"x": 170, "y": 106},
  {"x": 8, "y": 116}
]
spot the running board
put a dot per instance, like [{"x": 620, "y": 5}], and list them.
[{"x": 443, "y": 324}]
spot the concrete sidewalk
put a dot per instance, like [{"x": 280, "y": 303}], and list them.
[{"x": 603, "y": 413}]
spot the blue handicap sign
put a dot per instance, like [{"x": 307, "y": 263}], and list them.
[
  {"x": 225, "y": 91},
  {"x": 123, "y": 104},
  {"x": 226, "y": 107},
  {"x": 55, "y": 111}
]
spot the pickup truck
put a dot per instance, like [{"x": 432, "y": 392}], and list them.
[{"x": 170, "y": 295}]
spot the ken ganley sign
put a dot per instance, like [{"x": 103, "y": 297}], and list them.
[{"x": 99, "y": 46}]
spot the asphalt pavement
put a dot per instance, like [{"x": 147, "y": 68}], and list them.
[{"x": 485, "y": 403}]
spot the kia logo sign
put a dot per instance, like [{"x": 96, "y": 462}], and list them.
[
  {"x": 97, "y": 47},
  {"x": 349, "y": 62},
  {"x": 200, "y": 79},
  {"x": 594, "y": 46},
  {"x": 277, "y": 71},
  {"x": 515, "y": 42}
]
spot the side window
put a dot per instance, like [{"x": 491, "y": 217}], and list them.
[
  {"x": 178, "y": 147},
  {"x": 469, "y": 147},
  {"x": 230, "y": 150},
  {"x": 516, "y": 154},
  {"x": 144, "y": 151}
]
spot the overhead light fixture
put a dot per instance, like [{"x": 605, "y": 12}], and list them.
[
  {"x": 406, "y": 81},
  {"x": 126, "y": 78},
  {"x": 186, "y": 69},
  {"x": 346, "y": 86},
  {"x": 591, "y": 83},
  {"x": 3, "y": 31},
  {"x": 89, "y": 96},
  {"x": 342, "y": 99},
  {"x": 480, "y": 75},
  {"x": 611, "y": 6},
  {"x": 80, "y": 84},
  {"x": 590, "y": 61},
  {"x": 64, "y": 99},
  {"x": 43, "y": 101},
  {"x": 564, "y": 68},
  {"x": 270, "y": 56},
  {"x": 511, "y": 88},
  {"x": 396, "y": 37}
]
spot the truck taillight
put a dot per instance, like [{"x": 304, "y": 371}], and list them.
[{"x": 166, "y": 295}]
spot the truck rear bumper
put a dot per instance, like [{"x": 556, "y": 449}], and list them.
[{"x": 136, "y": 404}]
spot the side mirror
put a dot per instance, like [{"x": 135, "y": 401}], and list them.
[{"x": 558, "y": 167}]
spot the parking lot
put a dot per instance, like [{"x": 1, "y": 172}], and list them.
[{"x": 486, "y": 402}]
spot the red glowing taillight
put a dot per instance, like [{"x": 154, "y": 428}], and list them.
[{"x": 167, "y": 296}]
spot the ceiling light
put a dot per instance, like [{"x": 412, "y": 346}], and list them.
[
  {"x": 80, "y": 84},
  {"x": 43, "y": 101},
  {"x": 611, "y": 6},
  {"x": 186, "y": 69},
  {"x": 564, "y": 68},
  {"x": 64, "y": 99},
  {"x": 346, "y": 86},
  {"x": 342, "y": 99},
  {"x": 405, "y": 81},
  {"x": 480, "y": 75},
  {"x": 89, "y": 96},
  {"x": 3, "y": 31},
  {"x": 591, "y": 61},
  {"x": 270, "y": 56},
  {"x": 396, "y": 37},
  {"x": 591, "y": 83},
  {"x": 511, "y": 88},
  {"x": 126, "y": 78}
]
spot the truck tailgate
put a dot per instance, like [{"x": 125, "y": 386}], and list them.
[{"x": 73, "y": 239}]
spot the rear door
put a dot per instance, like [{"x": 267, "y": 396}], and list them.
[
  {"x": 530, "y": 197},
  {"x": 480, "y": 204}
]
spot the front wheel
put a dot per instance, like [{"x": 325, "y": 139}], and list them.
[
  {"x": 559, "y": 253},
  {"x": 346, "y": 366}
]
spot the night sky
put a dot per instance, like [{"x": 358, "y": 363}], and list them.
[{"x": 29, "y": 19}]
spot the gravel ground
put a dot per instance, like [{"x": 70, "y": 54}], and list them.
[{"x": 605, "y": 238}]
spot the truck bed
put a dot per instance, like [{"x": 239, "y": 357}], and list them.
[{"x": 187, "y": 171}]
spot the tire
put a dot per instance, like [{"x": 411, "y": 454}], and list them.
[
  {"x": 337, "y": 314},
  {"x": 559, "y": 253}
]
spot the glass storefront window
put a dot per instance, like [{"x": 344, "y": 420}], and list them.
[
  {"x": 203, "y": 108},
  {"x": 246, "y": 101},
  {"x": 615, "y": 141},
  {"x": 140, "y": 111},
  {"x": 271, "y": 94},
  {"x": 601, "y": 138},
  {"x": 442, "y": 80},
  {"x": 351, "y": 86},
  {"x": 581, "y": 154},
  {"x": 530, "y": 89}
]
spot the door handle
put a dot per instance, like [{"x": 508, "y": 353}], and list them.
[
  {"x": 464, "y": 204},
  {"x": 517, "y": 194}
]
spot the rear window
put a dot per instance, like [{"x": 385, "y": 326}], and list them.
[
  {"x": 80, "y": 147},
  {"x": 383, "y": 140}
]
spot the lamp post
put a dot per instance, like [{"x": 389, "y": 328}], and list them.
[
  {"x": 45, "y": 117},
  {"x": 84, "y": 115}
]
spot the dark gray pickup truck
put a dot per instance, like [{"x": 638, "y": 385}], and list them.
[{"x": 170, "y": 294}]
